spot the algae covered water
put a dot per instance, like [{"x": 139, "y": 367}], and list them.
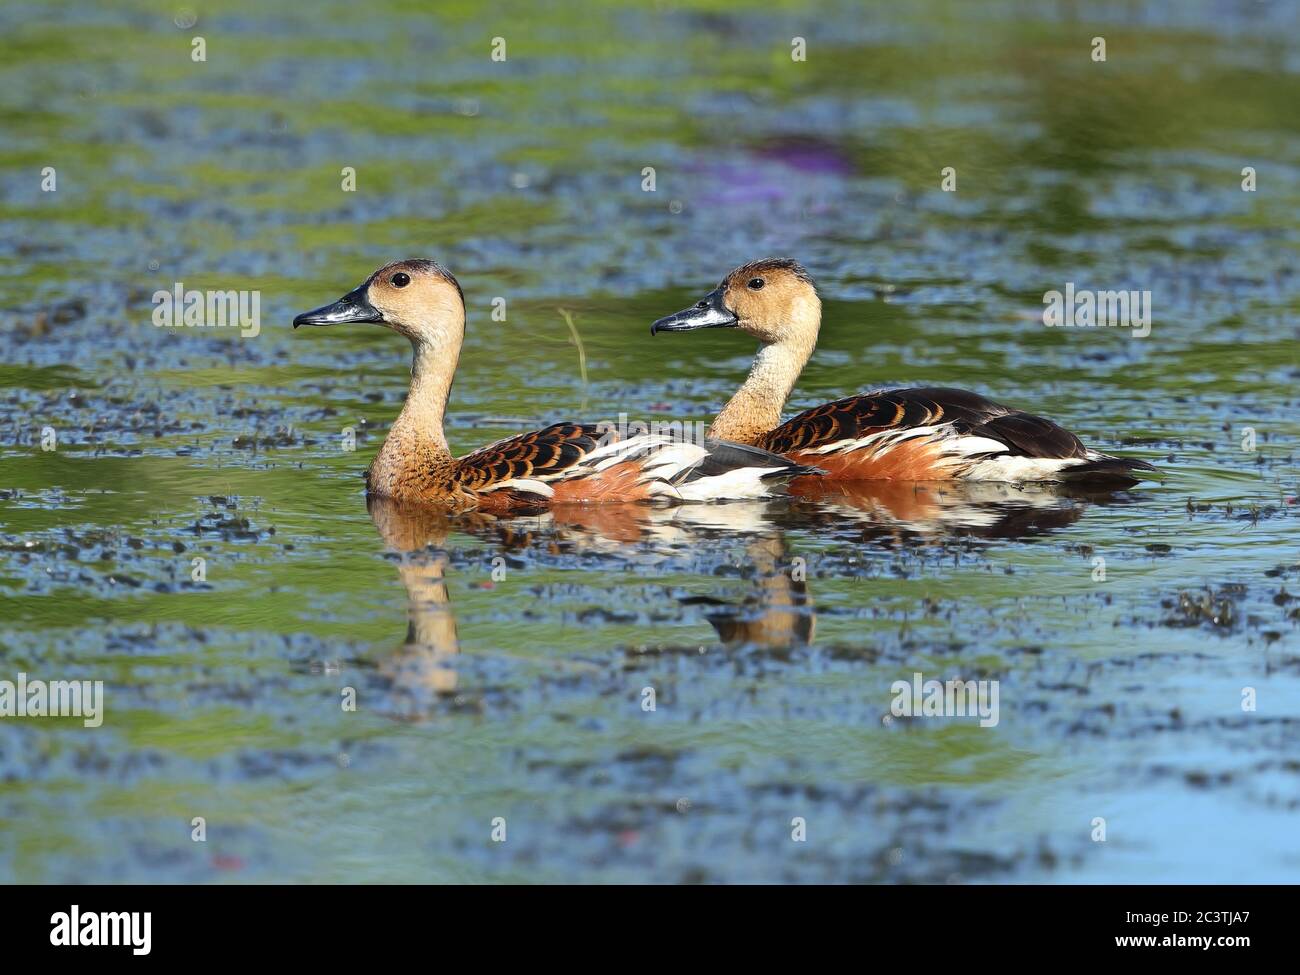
[{"x": 351, "y": 692}]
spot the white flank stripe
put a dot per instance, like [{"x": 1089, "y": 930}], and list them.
[
  {"x": 1021, "y": 468},
  {"x": 663, "y": 460},
  {"x": 884, "y": 439},
  {"x": 668, "y": 462},
  {"x": 965, "y": 446},
  {"x": 734, "y": 485},
  {"x": 530, "y": 484}
]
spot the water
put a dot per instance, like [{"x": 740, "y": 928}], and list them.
[{"x": 499, "y": 667}]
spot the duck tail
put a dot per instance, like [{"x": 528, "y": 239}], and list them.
[
  {"x": 1103, "y": 469},
  {"x": 730, "y": 471}
]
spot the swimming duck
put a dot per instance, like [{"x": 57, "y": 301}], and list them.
[
  {"x": 562, "y": 463},
  {"x": 923, "y": 434}
]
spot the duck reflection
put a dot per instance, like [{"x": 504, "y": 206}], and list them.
[
  {"x": 421, "y": 667},
  {"x": 777, "y": 614},
  {"x": 777, "y": 611},
  {"x": 935, "y": 509}
]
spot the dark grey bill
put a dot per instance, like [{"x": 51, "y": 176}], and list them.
[
  {"x": 708, "y": 312},
  {"x": 352, "y": 307}
]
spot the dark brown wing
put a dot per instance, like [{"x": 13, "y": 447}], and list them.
[
  {"x": 1027, "y": 435},
  {"x": 898, "y": 409},
  {"x": 538, "y": 454}
]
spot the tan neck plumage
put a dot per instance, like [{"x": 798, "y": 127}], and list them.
[
  {"x": 415, "y": 451},
  {"x": 756, "y": 407}
]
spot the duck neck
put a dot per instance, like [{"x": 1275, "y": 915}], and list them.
[
  {"x": 415, "y": 450},
  {"x": 756, "y": 407}
]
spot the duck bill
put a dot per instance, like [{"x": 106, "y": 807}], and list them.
[
  {"x": 709, "y": 312},
  {"x": 351, "y": 308}
]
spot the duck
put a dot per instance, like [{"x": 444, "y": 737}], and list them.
[
  {"x": 564, "y": 463},
  {"x": 912, "y": 434}
]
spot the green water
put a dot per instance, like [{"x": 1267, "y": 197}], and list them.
[{"x": 499, "y": 668}]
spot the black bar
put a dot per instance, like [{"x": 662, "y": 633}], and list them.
[{"x": 332, "y": 925}]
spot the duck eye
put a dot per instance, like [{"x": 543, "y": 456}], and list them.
[
  {"x": 401, "y": 279},
  {"x": 756, "y": 283}
]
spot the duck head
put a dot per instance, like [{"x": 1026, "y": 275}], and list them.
[
  {"x": 416, "y": 298},
  {"x": 772, "y": 300}
]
